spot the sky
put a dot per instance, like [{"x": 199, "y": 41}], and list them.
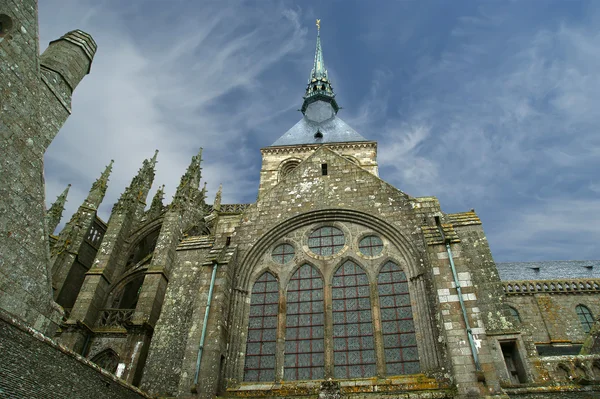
[{"x": 490, "y": 105}]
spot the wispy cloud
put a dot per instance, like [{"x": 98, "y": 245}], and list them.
[
  {"x": 485, "y": 105},
  {"x": 168, "y": 92}
]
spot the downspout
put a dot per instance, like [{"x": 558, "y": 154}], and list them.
[
  {"x": 204, "y": 325},
  {"x": 460, "y": 296}
]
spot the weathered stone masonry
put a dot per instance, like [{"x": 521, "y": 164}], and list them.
[{"x": 332, "y": 284}]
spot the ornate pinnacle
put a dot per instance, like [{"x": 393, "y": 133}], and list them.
[
  {"x": 217, "y": 203},
  {"x": 98, "y": 190},
  {"x": 188, "y": 186},
  {"x": 157, "y": 206},
  {"x": 137, "y": 191},
  {"x": 56, "y": 210}
]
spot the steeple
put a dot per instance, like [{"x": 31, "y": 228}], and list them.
[
  {"x": 56, "y": 209},
  {"x": 319, "y": 86},
  {"x": 98, "y": 190},
  {"x": 137, "y": 191}
]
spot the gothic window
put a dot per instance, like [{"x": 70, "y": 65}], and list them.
[
  {"x": 283, "y": 253},
  {"x": 326, "y": 241},
  {"x": 370, "y": 245},
  {"x": 262, "y": 330},
  {"x": 514, "y": 313},
  {"x": 353, "y": 345},
  {"x": 108, "y": 360},
  {"x": 304, "y": 332},
  {"x": 585, "y": 317},
  {"x": 399, "y": 340}
]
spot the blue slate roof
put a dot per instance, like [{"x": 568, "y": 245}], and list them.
[
  {"x": 319, "y": 117},
  {"x": 550, "y": 270}
]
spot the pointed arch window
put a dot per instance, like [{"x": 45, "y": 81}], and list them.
[
  {"x": 304, "y": 331},
  {"x": 108, "y": 360},
  {"x": 585, "y": 317},
  {"x": 399, "y": 340},
  {"x": 262, "y": 330},
  {"x": 515, "y": 314},
  {"x": 353, "y": 345}
]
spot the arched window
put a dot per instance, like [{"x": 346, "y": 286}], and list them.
[
  {"x": 304, "y": 331},
  {"x": 399, "y": 340},
  {"x": 262, "y": 330},
  {"x": 108, "y": 360},
  {"x": 585, "y": 317},
  {"x": 514, "y": 313},
  {"x": 353, "y": 346}
]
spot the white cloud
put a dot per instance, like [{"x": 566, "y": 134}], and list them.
[{"x": 164, "y": 91}]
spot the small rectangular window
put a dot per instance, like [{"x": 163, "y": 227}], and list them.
[
  {"x": 228, "y": 241},
  {"x": 324, "y": 169}
]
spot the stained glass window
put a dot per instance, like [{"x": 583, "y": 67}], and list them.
[
  {"x": 353, "y": 346},
  {"x": 370, "y": 245},
  {"x": 326, "y": 240},
  {"x": 399, "y": 340},
  {"x": 262, "y": 330},
  {"x": 283, "y": 253},
  {"x": 304, "y": 345},
  {"x": 585, "y": 317}
]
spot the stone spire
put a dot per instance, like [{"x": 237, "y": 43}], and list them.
[
  {"x": 187, "y": 191},
  {"x": 55, "y": 212},
  {"x": 140, "y": 185},
  {"x": 319, "y": 86},
  {"x": 217, "y": 203},
  {"x": 98, "y": 190},
  {"x": 156, "y": 207}
]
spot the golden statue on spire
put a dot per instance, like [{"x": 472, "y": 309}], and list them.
[{"x": 318, "y": 24}]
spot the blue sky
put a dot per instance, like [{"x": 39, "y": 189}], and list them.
[{"x": 486, "y": 105}]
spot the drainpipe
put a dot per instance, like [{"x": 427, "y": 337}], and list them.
[
  {"x": 204, "y": 325},
  {"x": 460, "y": 296}
]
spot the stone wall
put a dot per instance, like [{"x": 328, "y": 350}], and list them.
[
  {"x": 551, "y": 317},
  {"x": 33, "y": 366},
  {"x": 274, "y": 162},
  {"x": 34, "y": 107}
]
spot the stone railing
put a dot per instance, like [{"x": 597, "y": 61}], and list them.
[
  {"x": 233, "y": 208},
  {"x": 115, "y": 317},
  {"x": 550, "y": 286}
]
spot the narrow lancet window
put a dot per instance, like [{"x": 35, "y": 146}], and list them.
[
  {"x": 353, "y": 345},
  {"x": 304, "y": 345},
  {"x": 262, "y": 330},
  {"x": 399, "y": 340}
]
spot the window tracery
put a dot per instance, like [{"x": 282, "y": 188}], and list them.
[
  {"x": 262, "y": 330},
  {"x": 353, "y": 344},
  {"x": 304, "y": 332},
  {"x": 399, "y": 339}
]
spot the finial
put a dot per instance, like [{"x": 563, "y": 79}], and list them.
[
  {"x": 318, "y": 25},
  {"x": 55, "y": 212}
]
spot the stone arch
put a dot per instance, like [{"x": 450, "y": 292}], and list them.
[
  {"x": 142, "y": 243},
  {"x": 286, "y": 281},
  {"x": 415, "y": 271},
  {"x": 121, "y": 285},
  {"x": 286, "y": 166},
  {"x": 408, "y": 251},
  {"x": 107, "y": 360}
]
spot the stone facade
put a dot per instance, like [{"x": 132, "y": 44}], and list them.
[{"x": 332, "y": 284}]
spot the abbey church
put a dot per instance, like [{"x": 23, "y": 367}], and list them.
[{"x": 333, "y": 284}]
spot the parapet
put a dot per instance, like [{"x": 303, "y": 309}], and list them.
[{"x": 70, "y": 56}]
